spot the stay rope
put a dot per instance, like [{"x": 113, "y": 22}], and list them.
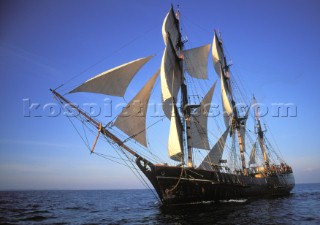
[{"x": 108, "y": 56}]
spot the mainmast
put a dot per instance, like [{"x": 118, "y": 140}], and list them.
[
  {"x": 260, "y": 133},
  {"x": 237, "y": 123}
]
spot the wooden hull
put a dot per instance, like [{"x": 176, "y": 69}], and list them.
[{"x": 178, "y": 185}]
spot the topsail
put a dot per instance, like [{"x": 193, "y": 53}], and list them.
[
  {"x": 196, "y": 61},
  {"x": 170, "y": 30},
  {"x": 217, "y": 55},
  {"x": 171, "y": 76},
  {"x": 220, "y": 66}
]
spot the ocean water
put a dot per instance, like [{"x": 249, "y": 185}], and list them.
[{"x": 141, "y": 207}]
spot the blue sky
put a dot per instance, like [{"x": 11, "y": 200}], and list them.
[{"x": 274, "y": 46}]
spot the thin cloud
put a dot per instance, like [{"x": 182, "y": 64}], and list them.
[{"x": 30, "y": 62}]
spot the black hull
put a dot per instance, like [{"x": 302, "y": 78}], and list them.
[{"x": 178, "y": 185}]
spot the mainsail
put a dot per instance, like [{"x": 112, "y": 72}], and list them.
[
  {"x": 114, "y": 81},
  {"x": 199, "y": 120},
  {"x": 132, "y": 119}
]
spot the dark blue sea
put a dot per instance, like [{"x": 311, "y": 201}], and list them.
[{"x": 142, "y": 207}]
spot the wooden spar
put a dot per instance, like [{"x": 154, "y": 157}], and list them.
[
  {"x": 92, "y": 121},
  {"x": 95, "y": 141},
  {"x": 95, "y": 123}
]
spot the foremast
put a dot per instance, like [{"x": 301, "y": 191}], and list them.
[
  {"x": 186, "y": 109},
  {"x": 260, "y": 133},
  {"x": 173, "y": 38}
]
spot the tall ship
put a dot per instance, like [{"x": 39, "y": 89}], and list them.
[{"x": 210, "y": 156}]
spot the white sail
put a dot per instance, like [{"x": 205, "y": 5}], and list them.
[
  {"x": 243, "y": 136},
  {"x": 196, "y": 61},
  {"x": 227, "y": 109},
  {"x": 219, "y": 64},
  {"x": 170, "y": 29},
  {"x": 175, "y": 145},
  {"x": 114, "y": 81},
  {"x": 199, "y": 120},
  {"x": 132, "y": 119},
  {"x": 215, "y": 154},
  {"x": 252, "y": 159},
  {"x": 170, "y": 75},
  {"x": 217, "y": 55}
]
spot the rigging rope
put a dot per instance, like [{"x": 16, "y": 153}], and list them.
[
  {"x": 108, "y": 56},
  {"x": 175, "y": 186}
]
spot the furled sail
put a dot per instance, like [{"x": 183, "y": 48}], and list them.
[
  {"x": 198, "y": 122},
  {"x": 175, "y": 145},
  {"x": 196, "y": 61},
  {"x": 215, "y": 155},
  {"x": 132, "y": 119},
  {"x": 170, "y": 75},
  {"x": 252, "y": 159},
  {"x": 114, "y": 81},
  {"x": 170, "y": 29}
]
